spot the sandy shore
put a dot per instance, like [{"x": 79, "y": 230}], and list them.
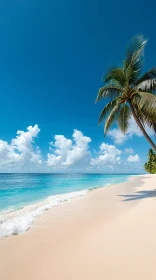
[{"x": 108, "y": 234}]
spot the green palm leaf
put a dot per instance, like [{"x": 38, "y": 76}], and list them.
[
  {"x": 123, "y": 118},
  {"x": 110, "y": 119},
  {"x": 116, "y": 74},
  {"x": 108, "y": 91},
  {"x": 106, "y": 110},
  {"x": 135, "y": 50},
  {"x": 144, "y": 104},
  {"x": 149, "y": 75},
  {"x": 147, "y": 102},
  {"x": 147, "y": 86},
  {"x": 147, "y": 119},
  {"x": 134, "y": 59}
]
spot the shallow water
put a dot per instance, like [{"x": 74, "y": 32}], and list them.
[{"x": 23, "y": 197}]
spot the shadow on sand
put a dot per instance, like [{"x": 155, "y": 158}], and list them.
[{"x": 139, "y": 195}]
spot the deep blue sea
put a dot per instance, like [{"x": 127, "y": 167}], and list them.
[{"x": 23, "y": 197}]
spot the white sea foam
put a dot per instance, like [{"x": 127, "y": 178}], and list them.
[{"x": 17, "y": 222}]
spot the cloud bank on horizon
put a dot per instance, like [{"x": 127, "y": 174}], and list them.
[{"x": 68, "y": 155}]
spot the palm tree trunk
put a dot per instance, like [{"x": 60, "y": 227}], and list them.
[{"x": 142, "y": 128}]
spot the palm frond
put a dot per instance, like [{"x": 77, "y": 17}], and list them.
[
  {"x": 106, "y": 110},
  {"x": 149, "y": 75},
  {"x": 145, "y": 105},
  {"x": 110, "y": 119},
  {"x": 134, "y": 70},
  {"x": 147, "y": 102},
  {"x": 123, "y": 118},
  {"x": 148, "y": 119},
  {"x": 134, "y": 59},
  {"x": 135, "y": 49},
  {"x": 111, "y": 91},
  {"x": 116, "y": 74},
  {"x": 147, "y": 86}
]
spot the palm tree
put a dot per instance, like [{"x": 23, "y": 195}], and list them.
[
  {"x": 130, "y": 93},
  {"x": 150, "y": 166}
]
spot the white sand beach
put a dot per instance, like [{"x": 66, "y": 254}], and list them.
[{"x": 110, "y": 233}]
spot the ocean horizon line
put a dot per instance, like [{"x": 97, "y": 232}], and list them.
[{"x": 71, "y": 173}]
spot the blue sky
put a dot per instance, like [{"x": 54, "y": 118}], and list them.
[{"x": 52, "y": 57}]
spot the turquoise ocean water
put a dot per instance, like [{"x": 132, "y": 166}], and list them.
[{"x": 23, "y": 197}]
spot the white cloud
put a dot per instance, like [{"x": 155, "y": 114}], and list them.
[
  {"x": 7, "y": 154},
  {"x": 117, "y": 136},
  {"x": 21, "y": 150},
  {"x": 67, "y": 152},
  {"x": 128, "y": 151},
  {"x": 134, "y": 158},
  {"x": 67, "y": 155},
  {"x": 109, "y": 156},
  {"x": 120, "y": 137}
]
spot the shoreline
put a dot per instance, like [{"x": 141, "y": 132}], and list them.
[
  {"x": 17, "y": 221},
  {"x": 101, "y": 235}
]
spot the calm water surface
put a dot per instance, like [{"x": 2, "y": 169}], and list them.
[{"x": 18, "y": 190}]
